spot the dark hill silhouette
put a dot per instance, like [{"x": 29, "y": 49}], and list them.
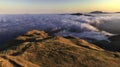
[
  {"x": 98, "y": 12},
  {"x": 79, "y": 14},
  {"x": 113, "y": 45}
]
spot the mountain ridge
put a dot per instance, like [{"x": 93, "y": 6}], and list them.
[{"x": 38, "y": 49}]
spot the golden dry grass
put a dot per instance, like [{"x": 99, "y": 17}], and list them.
[{"x": 55, "y": 51}]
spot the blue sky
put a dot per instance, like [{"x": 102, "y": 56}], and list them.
[{"x": 57, "y": 6}]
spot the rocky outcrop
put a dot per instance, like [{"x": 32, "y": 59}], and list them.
[{"x": 38, "y": 49}]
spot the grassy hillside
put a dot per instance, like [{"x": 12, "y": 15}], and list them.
[{"x": 38, "y": 49}]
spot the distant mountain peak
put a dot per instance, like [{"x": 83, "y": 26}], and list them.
[{"x": 98, "y": 12}]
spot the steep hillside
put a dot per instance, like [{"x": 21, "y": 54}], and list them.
[
  {"x": 38, "y": 49},
  {"x": 112, "y": 45}
]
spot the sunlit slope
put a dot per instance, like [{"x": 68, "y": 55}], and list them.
[{"x": 38, "y": 49}]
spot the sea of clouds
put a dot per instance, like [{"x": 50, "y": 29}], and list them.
[{"x": 85, "y": 27}]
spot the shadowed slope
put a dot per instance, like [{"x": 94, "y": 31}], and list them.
[{"x": 113, "y": 45}]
